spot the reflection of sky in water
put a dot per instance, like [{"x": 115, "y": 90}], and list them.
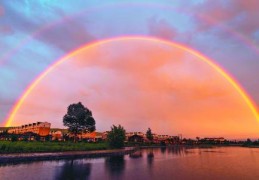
[{"x": 177, "y": 163}]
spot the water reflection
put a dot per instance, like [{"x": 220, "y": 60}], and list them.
[
  {"x": 150, "y": 158},
  {"x": 115, "y": 165},
  {"x": 177, "y": 150},
  {"x": 163, "y": 149},
  {"x": 137, "y": 154},
  {"x": 151, "y": 163},
  {"x": 74, "y": 170}
]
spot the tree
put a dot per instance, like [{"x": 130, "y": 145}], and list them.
[
  {"x": 14, "y": 137},
  {"x": 116, "y": 136},
  {"x": 149, "y": 135},
  {"x": 248, "y": 142},
  {"x": 79, "y": 119}
]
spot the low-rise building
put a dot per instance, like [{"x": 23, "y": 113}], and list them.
[
  {"x": 141, "y": 137},
  {"x": 4, "y": 129},
  {"x": 213, "y": 140},
  {"x": 39, "y": 128},
  {"x": 58, "y": 134},
  {"x": 135, "y": 137}
]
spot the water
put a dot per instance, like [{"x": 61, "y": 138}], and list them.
[{"x": 156, "y": 163}]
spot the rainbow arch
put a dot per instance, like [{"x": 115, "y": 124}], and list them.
[{"x": 203, "y": 58}]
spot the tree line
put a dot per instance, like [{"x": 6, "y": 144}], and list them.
[{"x": 79, "y": 119}]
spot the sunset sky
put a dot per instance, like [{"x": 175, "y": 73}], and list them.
[{"x": 141, "y": 77}]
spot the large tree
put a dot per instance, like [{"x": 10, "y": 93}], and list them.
[
  {"x": 79, "y": 119},
  {"x": 149, "y": 135},
  {"x": 117, "y": 136}
]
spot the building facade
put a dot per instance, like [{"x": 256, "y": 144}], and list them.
[{"x": 39, "y": 128}]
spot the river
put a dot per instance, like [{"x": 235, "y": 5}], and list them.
[{"x": 157, "y": 163}]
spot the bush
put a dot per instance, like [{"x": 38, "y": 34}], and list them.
[
  {"x": 14, "y": 138},
  {"x": 116, "y": 136}
]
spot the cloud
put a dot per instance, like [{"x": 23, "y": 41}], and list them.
[
  {"x": 1, "y": 11},
  {"x": 5, "y": 106},
  {"x": 237, "y": 14},
  {"x": 5, "y": 30},
  {"x": 66, "y": 35},
  {"x": 161, "y": 28},
  {"x": 53, "y": 28}
]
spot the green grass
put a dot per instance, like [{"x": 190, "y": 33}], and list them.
[{"x": 34, "y": 146}]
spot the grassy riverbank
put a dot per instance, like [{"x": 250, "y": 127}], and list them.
[{"x": 34, "y": 146}]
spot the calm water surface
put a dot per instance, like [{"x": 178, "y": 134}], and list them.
[{"x": 156, "y": 163}]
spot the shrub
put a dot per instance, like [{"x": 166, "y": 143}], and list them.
[{"x": 116, "y": 136}]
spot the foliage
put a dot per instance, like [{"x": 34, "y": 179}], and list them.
[
  {"x": 14, "y": 138},
  {"x": 79, "y": 119},
  {"x": 116, "y": 136},
  {"x": 37, "y": 138},
  {"x": 248, "y": 142},
  {"x": 35, "y": 146},
  {"x": 149, "y": 135},
  {"x": 48, "y": 138},
  {"x": 25, "y": 138}
]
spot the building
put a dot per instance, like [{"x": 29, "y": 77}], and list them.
[
  {"x": 217, "y": 140},
  {"x": 3, "y": 129},
  {"x": 39, "y": 128},
  {"x": 105, "y": 135},
  {"x": 135, "y": 137},
  {"x": 166, "y": 139},
  {"x": 141, "y": 137},
  {"x": 58, "y": 134},
  {"x": 91, "y": 136}
]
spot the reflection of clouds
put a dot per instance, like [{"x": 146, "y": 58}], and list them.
[{"x": 73, "y": 170}]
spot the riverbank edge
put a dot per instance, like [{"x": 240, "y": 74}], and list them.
[
  {"x": 201, "y": 146},
  {"x": 28, "y": 157}
]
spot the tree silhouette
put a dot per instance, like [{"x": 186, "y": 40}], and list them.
[
  {"x": 78, "y": 119},
  {"x": 149, "y": 135}
]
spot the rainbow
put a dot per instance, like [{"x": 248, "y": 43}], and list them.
[{"x": 201, "y": 57}]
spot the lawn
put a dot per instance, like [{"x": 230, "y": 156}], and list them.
[{"x": 35, "y": 146}]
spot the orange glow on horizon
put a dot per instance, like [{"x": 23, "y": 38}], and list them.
[{"x": 201, "y": 57}]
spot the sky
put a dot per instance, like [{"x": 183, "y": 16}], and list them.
[{"x": 189, "y": 96}]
